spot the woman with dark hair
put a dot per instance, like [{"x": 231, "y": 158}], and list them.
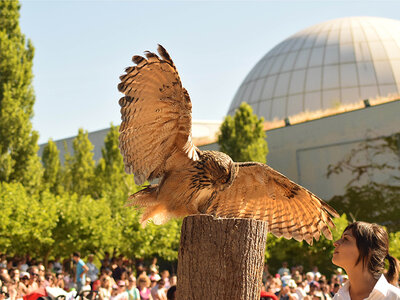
[{"x": 362, "y": 251}]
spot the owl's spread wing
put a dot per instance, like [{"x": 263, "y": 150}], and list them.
[
  {"x": 156, "y": 117},
  {"x": 260, "y": 192}
]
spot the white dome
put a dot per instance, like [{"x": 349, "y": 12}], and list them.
[{"x": 336, "y": 62}]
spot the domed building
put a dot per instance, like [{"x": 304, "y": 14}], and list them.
[
  {"x": 327, "y": 70},
  {"x": 316, "y": 81},
  {"x": 333, "y": 63}
]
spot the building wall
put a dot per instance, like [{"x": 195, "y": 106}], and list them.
[
  {"x": 304, "y": 151},
  {"x": 95, "y": 137}
]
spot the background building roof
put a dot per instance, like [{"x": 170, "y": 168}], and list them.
[{"x": 336, "y": 62}]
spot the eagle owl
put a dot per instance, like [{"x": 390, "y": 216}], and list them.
[{"x": 155, "y": 142}]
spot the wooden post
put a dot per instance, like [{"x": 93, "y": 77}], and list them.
[{"x": 221, "y": 258}]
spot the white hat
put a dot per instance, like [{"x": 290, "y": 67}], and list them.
[{"x": 292, "y": 284}]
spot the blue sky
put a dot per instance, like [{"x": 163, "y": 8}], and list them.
[{"x": 81, "y": 48}]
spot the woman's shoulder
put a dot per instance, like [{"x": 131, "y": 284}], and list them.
[
  {"x": 393, "y": 292},
  {"x": 388, "y": 290}
]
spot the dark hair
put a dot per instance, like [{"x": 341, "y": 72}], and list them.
[
  {"x": 373, "y": 245},
  {"x": 76, "y": 254},
  {"x": 171, "y": 293}
]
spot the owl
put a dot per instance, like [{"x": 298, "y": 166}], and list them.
[{"x": 156, "y": 143}]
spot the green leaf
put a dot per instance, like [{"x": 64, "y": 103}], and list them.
[{"x": 242, "y": 137}]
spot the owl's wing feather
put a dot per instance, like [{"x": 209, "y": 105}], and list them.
[
  {"x": 262, "y": 193},
  {"x": 156, "y": 117}
]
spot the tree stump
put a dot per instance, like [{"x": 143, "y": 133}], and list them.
[{"x": 220, "y": 258}]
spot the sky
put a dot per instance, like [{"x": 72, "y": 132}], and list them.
[{"x": 82, "y": 47}]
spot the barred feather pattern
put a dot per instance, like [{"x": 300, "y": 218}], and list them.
[
  {"x": 155, "y": 141},
  {"x": 261, "y": 193},
  {"x": 156, "y": 117}
]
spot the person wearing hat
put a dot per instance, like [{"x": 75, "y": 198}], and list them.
[
  {"x": 154, "y": 267},
  {"x": 292, "y": 289},
  {"x": 32, "y": 284},
  {"x": 120, "y": 293},
  {"x": 23, "y": 283}
]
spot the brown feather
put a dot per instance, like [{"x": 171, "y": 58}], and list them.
[
  {"x": 164, "y": 54},
  {"x": 290, "y": 210},
  {"x": 149, "y": 54},
  {"x": 155, "y": 141},
  {"x": 154, "y": 101},
  {"x": 137, "y": 59}
]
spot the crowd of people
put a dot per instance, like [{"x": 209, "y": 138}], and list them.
[
  {"x": 295, "y": 284},
  {"x": 118, "y": 278}
]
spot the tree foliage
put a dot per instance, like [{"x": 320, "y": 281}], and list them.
[
  {"x": 25, "y": 226},
  {"x": 82, "y": 223},
  {"x": 394, "y": 244},
  {"x": 18, "y": 142},
  {"x": 242, "y": 136},
  {"x": 52, "y": 175},
  {"x": 52, "y": 209},
  {"x": 110, "y": 174},
  {"x": 373, "y": 193},
  {"x": 79, "y": 167}
]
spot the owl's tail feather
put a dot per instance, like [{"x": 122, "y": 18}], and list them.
[
  {"x": 144, "y": 198},
  {"x": 154, "y": 210}
]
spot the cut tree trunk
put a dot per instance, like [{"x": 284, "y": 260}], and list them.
[{"x": 221, "y": 258}]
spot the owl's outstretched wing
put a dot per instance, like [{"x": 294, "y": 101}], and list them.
[
  {"x": 156, "y": 117},
  {"x": 261, "y": 193}
]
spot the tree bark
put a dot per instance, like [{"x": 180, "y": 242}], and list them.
[{"x": 220, "y": 258}]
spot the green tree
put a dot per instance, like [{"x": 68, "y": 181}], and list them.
[
  {"x": 394, "y": 244},
  {"x": 110, "y": 170},
  {"x": 52, "y": 168},
  {"x": 242, "y": 136},
  {"x": 112, "y": 183},
  {"x": 153, "y": 240},
  {"x": 25, "y": 225},
  {"x": 79, "y": 167},
  {"x": 373, "y": 193},
  {"x": 18, "y": 142},
  {"x": 45, "y": 224},
  {"x": 83, "y": 224}
]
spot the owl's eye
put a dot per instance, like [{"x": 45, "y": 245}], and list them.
[{"x": 225, "y": 179}]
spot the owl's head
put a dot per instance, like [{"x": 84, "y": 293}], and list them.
[
  {"x": 231, "y": 174},
  {"x": 220, "y": 167}
]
